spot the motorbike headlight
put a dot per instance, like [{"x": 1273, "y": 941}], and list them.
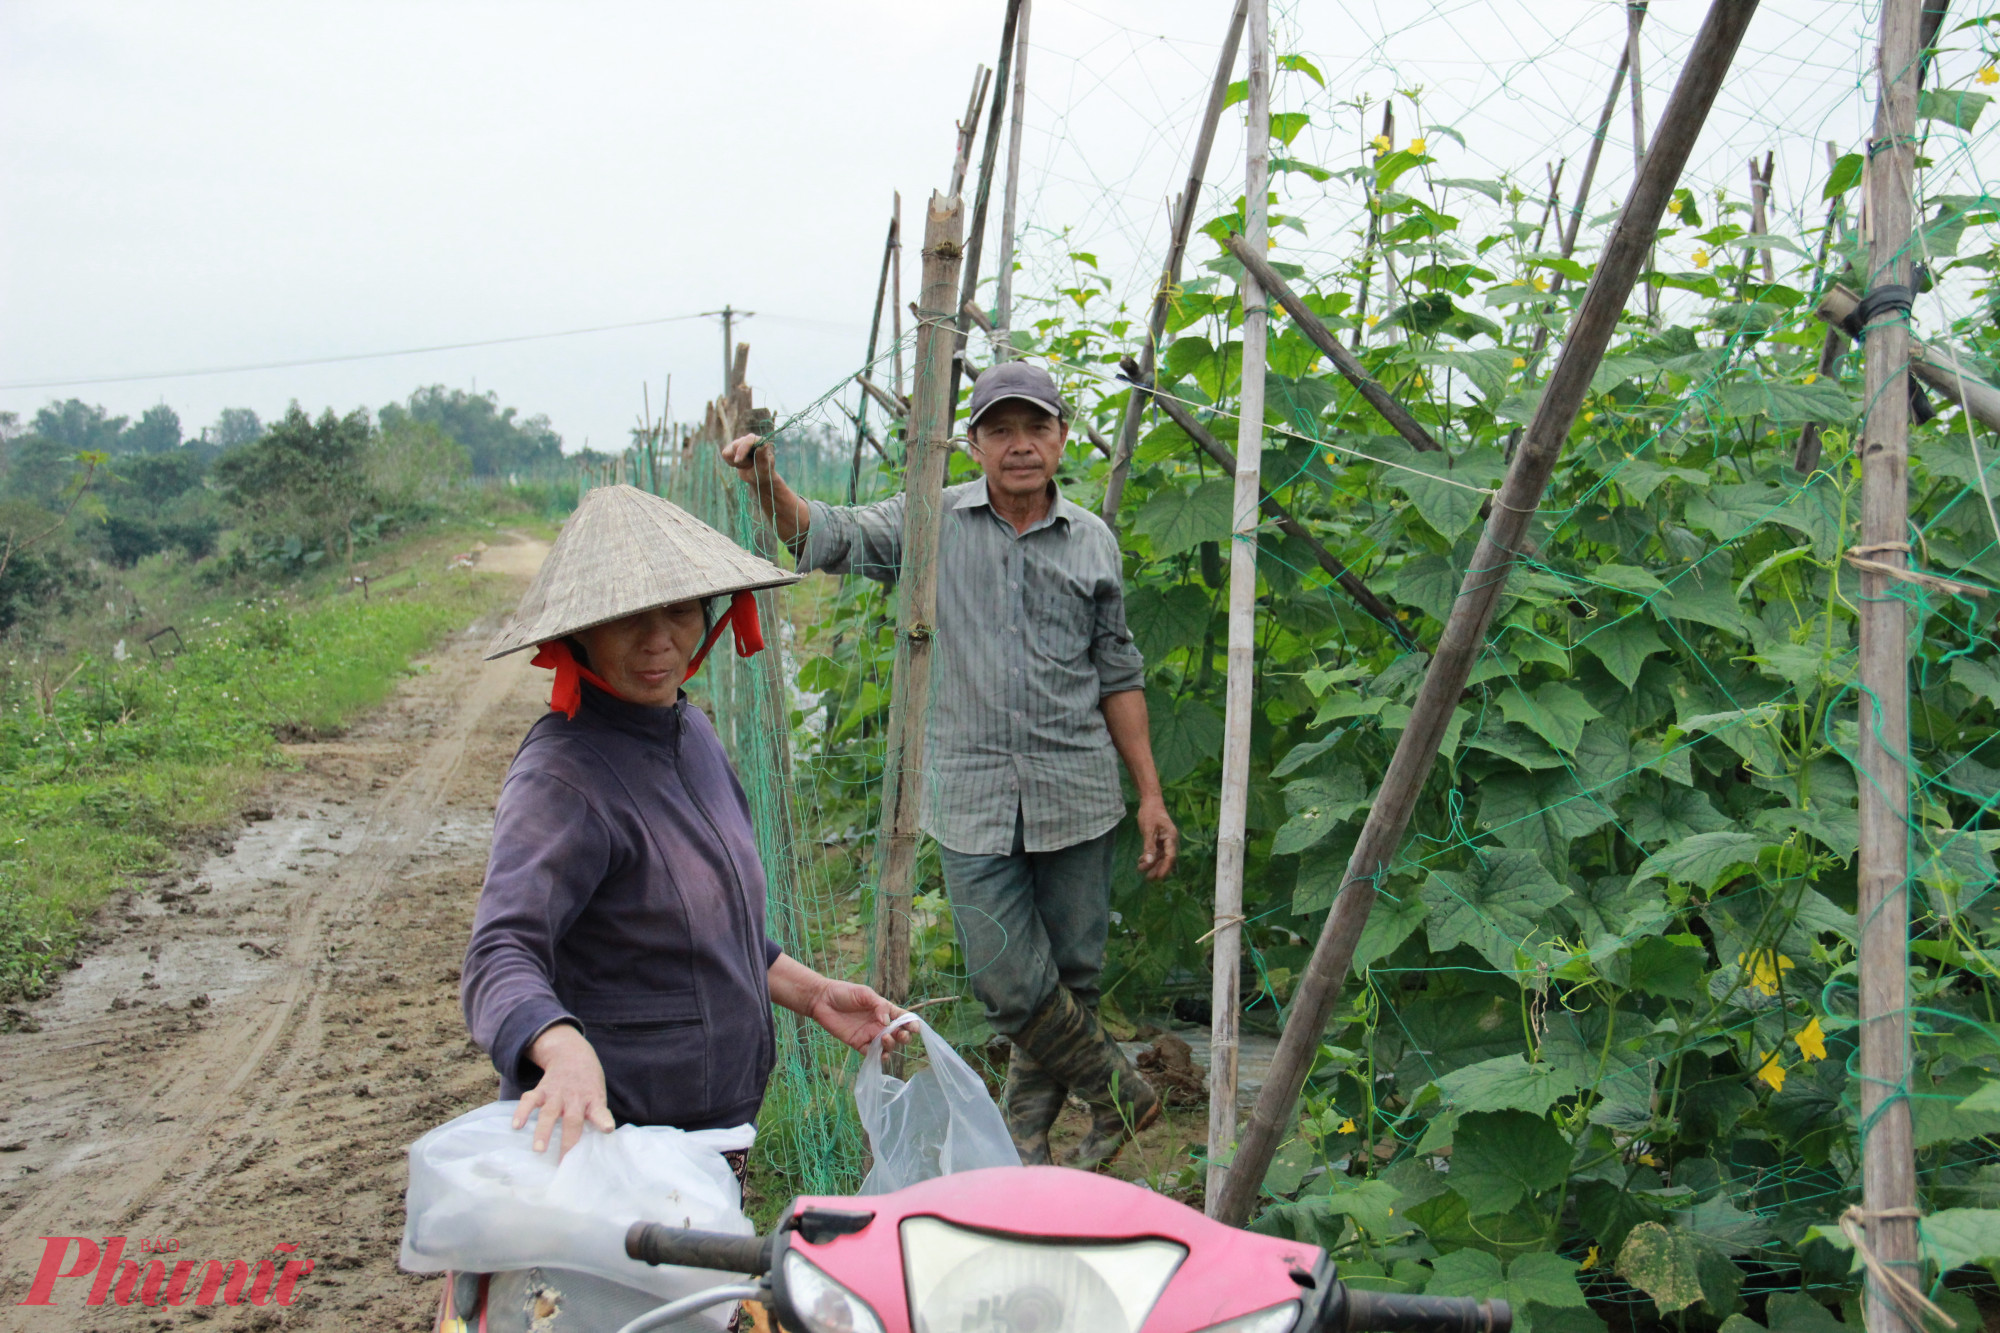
[
  {"x": 823, "y": 1305},
  {"x": 965, "y": 1281},
  {"x": 1275, "y": 1319}
]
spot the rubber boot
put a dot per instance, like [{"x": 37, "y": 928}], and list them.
[
  {"x": 1031, "y": 1101},
  {"x": 1073, "y": 1048}
]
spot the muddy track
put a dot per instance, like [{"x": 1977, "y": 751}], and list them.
[{"x": 251, "y": 1044}]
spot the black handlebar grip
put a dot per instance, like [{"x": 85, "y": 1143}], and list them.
[
  {"x": 656, "y": 1243},
  {"x": 1385, "y": 1312}
]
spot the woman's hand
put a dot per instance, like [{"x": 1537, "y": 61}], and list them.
[
  {"x": 571, "y": 1090},
  {"x": 849, "y": 1010}
]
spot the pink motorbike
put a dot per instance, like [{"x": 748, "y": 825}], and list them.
[{"x": 1033, "y": 1250}]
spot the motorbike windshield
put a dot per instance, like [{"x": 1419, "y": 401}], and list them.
[{"x": 964, "y": 1281}]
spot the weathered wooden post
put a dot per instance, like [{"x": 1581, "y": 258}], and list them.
[
  {"x": 1465, "y": 631},
  {"x": 928, "y": 437},
  {"x": 982, "y": 194},
  {"x": 1183, "y": 227},
  {"x": 874, "y": 333},
  {"x": 1241, "y": 691},
  {"x": 1888, "y": 1155},
  {"x": 1003, "y": 294}
]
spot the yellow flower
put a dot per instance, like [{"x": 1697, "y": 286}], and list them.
[
  {"x": 1417, "y": 147},
  {"x": 1381, "y": 143},
  {"x": 1811, "y": 1041},
  {"x": 1767, "y": 969},
  {"x": 1520, "y": 363},
  {"x": 1674, "y": 207},
  {"x": 1589, "y": 1260},
  {"x": 1772, "y": 1072},
  {"x": 1813, "y": 378},
  {"x": 1346, "y": 1126},
  {"x": 1589, "y": 417},
  {"x": 1988, "y": 74},
  {"x": 1372, "y": 320},
  {"x": 1416, "y": 381},
  {"x": 1701, "y": 259},
  {"x": 1647, "y": 1159},
  {"x": 1541, "y": 283}
]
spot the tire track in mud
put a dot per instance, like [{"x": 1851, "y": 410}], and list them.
[{"x": 244, "y": 1056}]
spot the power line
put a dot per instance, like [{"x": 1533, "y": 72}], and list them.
[{"x": 81, "y": 380}]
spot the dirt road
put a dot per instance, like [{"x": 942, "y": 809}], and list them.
[{"x": 242, "y": 1059}]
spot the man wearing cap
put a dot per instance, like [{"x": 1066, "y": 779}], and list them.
[{"x": 1037, "y": 696}]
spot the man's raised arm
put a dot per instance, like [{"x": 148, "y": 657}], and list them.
[{"x": 789, "y": 514}]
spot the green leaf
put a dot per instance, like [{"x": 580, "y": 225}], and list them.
[
  {"x": 1499, "y": 1158},
  {"x": 1955, "y": 1237},
  {"x": 1981, "y": 678},
  {"x": 1705, "y": 597},
  {"x": 1317, "y": 807},
  {"x": 1956, "y": 109},
  {"x": 1303, "y": 168},
  {"x": 1536, "y": 1279},
  {"x": 1491, "y": 189},
  {"x": 1787, "y": 404},
  {"x": 1623, "y": 646},
  {"x": 1540, "y": 812},
  {"x": 1555, "y": 712},
  {"x": 1178, "y": 520},
  {"x": 1517, "y": 743},
  {"x": 1390, "y": 921},
  {"x": 1285, "y": 125},
  {"x": 1164, "y": 620},
  {"x": 1845, "y": 176},
  {"x": 1301, "y": 65},
  {"x": 1446, "y": 489},
  {"x": 1429, "y": 583},
  {"x": 1508, "y": 1083},
  {"x": 1669, "y": 967},
  {"x": 1665, "y": 1263},
  {"x": 1184, "y": 733},
  {"x": 1703, "y": 861},
  {"x": 1668, "y": 812},
  {"x": 1497, "y": 909}
]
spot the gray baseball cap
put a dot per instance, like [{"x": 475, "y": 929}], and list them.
[{"x": 1015, "y": 379}]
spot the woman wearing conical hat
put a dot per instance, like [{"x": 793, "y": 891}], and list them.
[{"x": 619, "y": 971}]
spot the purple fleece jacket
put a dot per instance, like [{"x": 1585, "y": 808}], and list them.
[{"x": 625, "y": 895}]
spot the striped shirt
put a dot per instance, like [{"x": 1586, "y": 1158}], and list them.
[{"x": 1030, "y": 637}]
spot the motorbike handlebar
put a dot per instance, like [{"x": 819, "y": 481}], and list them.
[
  {"x": 656, "y": 1243},
  {"x": 1385, "y": 1312}
]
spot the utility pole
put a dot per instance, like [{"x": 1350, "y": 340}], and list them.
[
  {"x": 1888, "y": 1155},
  {"x": 1241, "y": 691},
  {"x": 729, "y": 317}
]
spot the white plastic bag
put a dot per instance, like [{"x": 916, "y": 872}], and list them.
[
  {"x": 481, "y": 1200},
  {"x": 940, "y": 1122}
]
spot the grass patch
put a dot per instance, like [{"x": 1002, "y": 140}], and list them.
[{"x": 106, "y": 766}]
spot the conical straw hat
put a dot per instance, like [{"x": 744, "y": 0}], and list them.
[{"x": 624, "y": 551}]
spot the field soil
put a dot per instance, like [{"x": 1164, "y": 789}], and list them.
[{"x": 250, "y": 1045}]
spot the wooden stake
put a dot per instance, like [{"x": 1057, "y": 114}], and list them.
[
  {"x": 1760, "y": 197},
  {"x": 896, "y": 292},
  {"x": 1888, "y": 1155},
  {"x": 1806, "y": 453},
  {"x": 927, "y": 435},
  {"x": 1177, "y": 243},
  {"x": 1322, "y": 337},
  {"x": 874, "y": 332},
  {"x": 1241, "y": 690},
  {"x": 1003, "y": 298},
  {"x": 968, "y": 129},
  {"x": 1635, "y": 14},
  {"x": 975, "y": 239},
  {"x": 1464, "y": 634}
]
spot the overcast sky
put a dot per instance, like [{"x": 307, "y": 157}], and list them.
[{"x": 198, "y": 185}]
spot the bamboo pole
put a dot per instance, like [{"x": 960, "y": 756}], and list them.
[
  {"x": 968, "y": 129},
  {"x": 1635, "y": 14},
  {"x": 1939, "y": 367},
  {"x": 975, "y": 237},
  {"x": 874, "y": 333},
  {"x": 1003, "y": 298},
  {"x": 1289, "y": 524},
  {"x": 1387, "y": 136},
  {"x": 1465, "y": 632},
  {"x": 1322, "y": 337},
  {"x": 1805, "y": 454},
  {"x": 927, "y": 435},
  {"x": 1240, "y": 691},
  {"x": 1888, "y": 1155},
  {"x": 1760, "y": 218},
  {"x": 1177, "y": 243},
  {"x": 896, "y": 294}
]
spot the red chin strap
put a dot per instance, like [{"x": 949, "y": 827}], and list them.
[
  {"x": 566, "y": 696},
  {"x": 742, "y": 615}
]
